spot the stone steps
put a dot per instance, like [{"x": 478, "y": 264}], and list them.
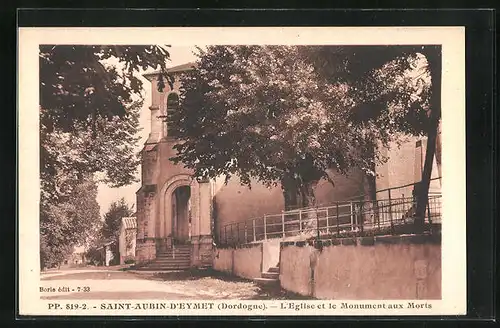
[
  {"x": 178, "y": 258},
  {"x": 270, "y": 275},
  {"x": 267, "y": 281},
  {"x": 269, "y": 278},
  {"x": 164, "y": 268}
]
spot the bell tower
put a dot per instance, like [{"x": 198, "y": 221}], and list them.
[{"x": 177, "y": 207}]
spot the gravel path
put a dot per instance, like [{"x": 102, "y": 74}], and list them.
[{"x": 115, "y": 285}]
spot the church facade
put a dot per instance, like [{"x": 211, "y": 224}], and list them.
[{"x": 174, "y": 208}]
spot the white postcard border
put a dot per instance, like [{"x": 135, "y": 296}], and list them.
[{"x": 452, "y": 40}]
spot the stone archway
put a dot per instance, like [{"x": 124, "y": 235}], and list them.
[
  {"x": 171, "y": 195},
  {"x": 181, "y": 214}
]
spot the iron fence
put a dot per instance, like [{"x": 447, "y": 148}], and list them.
[{"x": 357, "y": 217}]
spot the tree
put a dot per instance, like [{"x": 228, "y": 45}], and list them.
[
  {"x": 69, "y": 223},
  {"x": 89, "y": 109},
  {"x": 88, "y": 100},
  {"x": 112, "y": 222},
  {"x": 262, "y": 112},
  {"x": 371, "y": 72}
]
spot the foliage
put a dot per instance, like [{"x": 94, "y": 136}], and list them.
[
  {"x": 69, "y": 223},
  {"x": 372, "y": 73},
  {"x": 129, "y": 261},
  {"x": 112, "y": 222},
  {"x": 263, "y": 112},
  {"x": 90, "y": 99},
  {"x": 390, "y": 85},
  {"x": 77, "y": 82},
  {"x": 87, "y": 101},
  {"x": 95, "y": 255}
]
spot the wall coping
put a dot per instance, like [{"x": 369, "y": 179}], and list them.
[
  {"x": 247, "y": 245},
  {"x": 368, "y": 241}
]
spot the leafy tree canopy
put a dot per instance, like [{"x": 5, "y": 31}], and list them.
[
  {"x": 113, "y": 219},
  {"x": 69, "y": 223},
  {"x": 89, "y": 111},
  {"x": 390, "y": 85},
  {"x": 275, "y": 113},
  {"x": 90, "y": 98}
]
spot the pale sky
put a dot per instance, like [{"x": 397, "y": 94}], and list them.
[{"x": 106, "y": 195}]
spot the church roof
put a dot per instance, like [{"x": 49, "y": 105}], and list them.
[
  {"x": 175, "y": 69},
  {"x": 129, "y": 223}
]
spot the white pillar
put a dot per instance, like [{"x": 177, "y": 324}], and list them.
[{"x": 205, "y": 209}]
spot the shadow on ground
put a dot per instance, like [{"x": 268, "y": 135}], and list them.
[{"x": 261, "y": 293}]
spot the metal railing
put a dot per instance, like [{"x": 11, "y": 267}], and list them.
[{"x": 356, "y": 218}]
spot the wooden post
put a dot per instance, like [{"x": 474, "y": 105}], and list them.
[
  {"x": 390, "y": 209},
  {"x": 238, "y": 232},
  {"x": 265, "y": 228},
  {"x": 327, "y": 220},
  {"x": 283, "y": 223},
  {"x": 300, "y": 221},
  {"x": 254, "y": 233},
  {"x": 338, "y": 228},
  {"x": 231, "y": 233},
  {"x": 246, "y": 233},
  {"x": 352, "y": 216},
  {"x": 317, "y": 226},
  {"x": 429, "y": 211}
]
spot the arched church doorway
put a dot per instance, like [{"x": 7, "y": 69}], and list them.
[{"x": 181, "y": 214}]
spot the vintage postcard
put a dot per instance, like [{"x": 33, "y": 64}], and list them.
[{"x": 242, "y": 171}]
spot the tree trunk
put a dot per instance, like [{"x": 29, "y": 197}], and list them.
[
  {"x": 291, "y": 193},
  {"x": 434, "y": 62},
  {"x": 309, "y": 201},
  {"x": 438, "y": 149}
]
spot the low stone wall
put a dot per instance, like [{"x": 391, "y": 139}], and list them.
[
  {"x": 375, "y": 268},
  {"x": 244, "y": 261},
  {"x": 223, "y": 260},
  {"x": 145, "y": 250},
  {"x": 270, "y": 254},
  {"x": 247, "y": 261}
]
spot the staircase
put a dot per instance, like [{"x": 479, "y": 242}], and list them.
[
  {"x": 176, "y": 258},
  {"x": 271, "y": 278}
]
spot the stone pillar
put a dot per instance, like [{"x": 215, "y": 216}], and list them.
[{"x": 202, "y": 242}]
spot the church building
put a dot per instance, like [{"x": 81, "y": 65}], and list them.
[{"x": 178, "y": 215}]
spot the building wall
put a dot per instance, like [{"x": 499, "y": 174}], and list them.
[
  {"x": 404, "y": 166},
  {"x": 237, "y": 203}
]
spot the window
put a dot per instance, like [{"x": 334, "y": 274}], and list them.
[
  {"x": 172, "y": 102},
  {"x": 172, "y": 107},
  {"x": 145, "y": 231}
]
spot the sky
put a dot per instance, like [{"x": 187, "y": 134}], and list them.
[{"x": 106, "y": 195}]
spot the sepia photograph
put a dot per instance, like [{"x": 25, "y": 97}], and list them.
[{"x": 287, "y": 176}]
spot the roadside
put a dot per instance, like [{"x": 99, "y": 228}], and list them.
[{"x": 173, "y": 285}]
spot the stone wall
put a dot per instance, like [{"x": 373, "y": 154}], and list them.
[
  {"x": 247, "y": 261},
  {"x": 223, "y": 260},
  {"x": 243, "y": 261},
  {"x": 202, "y": 252},
  {"x": 378, "y": 268},
  {"x": 145, "y": 250}
]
